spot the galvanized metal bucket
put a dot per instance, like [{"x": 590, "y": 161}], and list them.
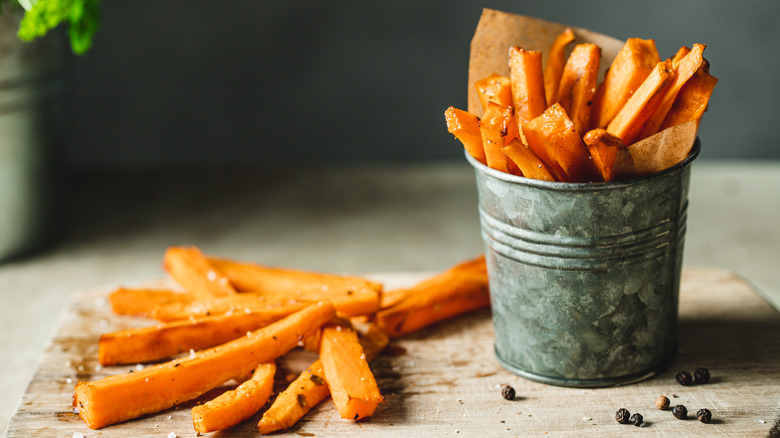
[{"x": 584, "y": 278}]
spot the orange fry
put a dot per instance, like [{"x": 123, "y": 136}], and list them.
[
  {"x": 235, "y": 406},
  {"x": 497, "y": 127},
  {"x": 189, "y": 267},
  {"x": 465, "y": 127},
  {"x": 460, "y": 289},
  {"x": 683, "y": 71},
  {"x": 525, "y": 72},
  {"x": 552, "y": 137},
  {"x": 628, "y": 70},
  {"x": 494, "y": 88},
  {"x": 146, "y": 344},
  {"x": 353, "y": 387},
  {"x": 529, "y": 164},
  {"x": 141, "y": 302},
  {"x": 578, "y": 84},
  {"x": 603, "y": 148},
  {"x": 630, "y": 120},
  {"x": 553, "y": 69},
  {"x": 692, "y": 100}
]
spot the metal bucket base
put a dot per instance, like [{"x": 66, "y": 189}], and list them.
[{"x": 591, "y": 383}]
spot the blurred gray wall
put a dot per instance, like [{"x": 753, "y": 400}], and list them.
[{"x": 264, "y": 83}]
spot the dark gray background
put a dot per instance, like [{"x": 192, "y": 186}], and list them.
[{"x": 267, "y": 83}]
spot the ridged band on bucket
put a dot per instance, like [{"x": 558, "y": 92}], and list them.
[{"x": 584, "y": 278}]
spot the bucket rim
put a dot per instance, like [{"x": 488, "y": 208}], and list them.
[{"x": 558, "y": 185}]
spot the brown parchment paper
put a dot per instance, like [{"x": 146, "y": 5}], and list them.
[{"x": 497, "y": 31}]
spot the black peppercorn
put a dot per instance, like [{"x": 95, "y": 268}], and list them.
[
  {"x": 508, "y": 392},
  {"x": 701, "y": 375},
  {"x": 704, "y": 415},
  {"x": 622, "y": 416},
  {"x": 684, "y": 378},
  {"x": 636, "y": 419},
  {"x": 680, "y": 412}
]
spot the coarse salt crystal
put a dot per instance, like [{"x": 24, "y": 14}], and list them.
[
  {"x": 81, "y": 367},
  {"x": 139, "y": 367},
  {"x": 211, "y": 275},
  {"x": 192, "y": 353},
  {"x": 586, "y": 418},
  {"x": 760, "y": 421},
  {"x": 172, "y": 435},
  {"x": 247, "y": 310},
  {"x": 78, "y": 435},
  {"x": 223, "y": 281},
  {"x": 75, "y": 410},
  {"x": 68, "y": 380},
  {"x": 98, "y": 368}
]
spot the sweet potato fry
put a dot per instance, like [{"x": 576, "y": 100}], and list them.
[
  {"x": 693, "y": 98},
  {"x": 235, "y": 406},
  {"x": 628, "y": 70},
  {"x": 465, "y": 127},
  {"x": 494, "y": 88},
  {"x": 603, "y": 148},
  {"x": 683, "y": 71},
  {"x": 525, "y": 72},
  {"x": 311, "y": 388},
  {"x": 351, "y": 295},
  {"x": 460, "y": 289},
  {"x": 141, "y": 302},
  {"x": 121, "y": 397},
  {"x": 529, "y": 164},
  {"x": 352, "y": 386},
  {"x": 629, "y": 122},
  {"x": 553, "y": 68},
  {"x": 578, "y": 84},
  {"x": 189, "y": 267},
  {"x": 498, "y": 126},
  {"x": 246, "y": 302},
  {"x": 680, "y": 55},
  {"x": 162, "y": 341},
  {"x": 552, "y": 137}
]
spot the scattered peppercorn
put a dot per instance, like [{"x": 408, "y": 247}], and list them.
[
  {"x": 636, "y": 419},
  {"x": 684, "y": 378},
  {"x": 662, "y": 402},
  {"x": 680, "y": 412},
  {"x": 508, "y": 392},
  {"x": 701, "y": 375},
  {"x": 622, "y": 416},
  {"x": 704, "y": 415}
]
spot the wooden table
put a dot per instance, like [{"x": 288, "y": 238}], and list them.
[{"x": 445, "y": 381}]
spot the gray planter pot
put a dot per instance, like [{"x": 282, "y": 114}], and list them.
[{"x": 31, "y": 78}]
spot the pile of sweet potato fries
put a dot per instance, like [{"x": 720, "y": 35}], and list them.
[
  {"x": 558, "y": 123},
  {"x": 233, "y": 320}
]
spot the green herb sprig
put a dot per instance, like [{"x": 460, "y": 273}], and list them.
[{"x": 81, "y": 16}]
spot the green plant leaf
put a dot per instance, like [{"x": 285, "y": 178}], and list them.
[{"x": 82, "y": 17}]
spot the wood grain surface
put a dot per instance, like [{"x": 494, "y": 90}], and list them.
[{"x": 445, "y": 380}]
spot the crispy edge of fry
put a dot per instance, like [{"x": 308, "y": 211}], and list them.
[
  {"x": 161, "y": 341},
  {"x": 682, "y": 72},
  {"x": 529, "y": 164},
  {"x": 630, "y": 120},
  {"x": 578, "y": 84},
  {"x": 497, "y": 127},
  {"x": 310, "y": 387},
  {"x": 121, "y": 397},
  {"x": 694, "y": 96},
  {"x": 235, "y": 406},
  {"x": 603, "y": 148},
  {"x": 460, "y": 289},
  {"x": 189, "y": 267},
  {"x": 494, "y": 88},
  {"x": 553, "y": 134},
  {"x": 553, "y": 68},
  {"x": 633, "y": 63},
  {"x": 465, "y": 127},
  {"x": 352, "y": 385},
  {"x": 140, "y": 302},
  {"x": 525, "y": 73},
  {"x": 680, "y": 54}
]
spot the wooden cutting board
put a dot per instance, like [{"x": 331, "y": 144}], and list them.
[{"x": 445, "y": 381}]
